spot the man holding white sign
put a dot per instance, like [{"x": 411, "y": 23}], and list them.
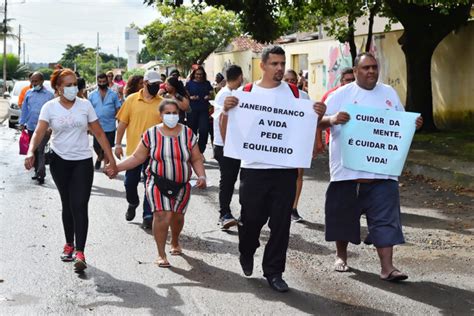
[
  {"x": 274, "y": 114},
  {"x": 353, "y": 192}
]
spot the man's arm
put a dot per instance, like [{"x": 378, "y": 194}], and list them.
[{"x": 122, "y": 126}]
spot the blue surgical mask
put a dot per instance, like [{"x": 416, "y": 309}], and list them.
[
  {"x": 171, "y": 120},
  {"x": 37, "y": 87},
  {"x": 70, "y": 93}
]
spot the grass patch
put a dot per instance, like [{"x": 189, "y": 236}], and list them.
[{"x": 456, "y": 144}]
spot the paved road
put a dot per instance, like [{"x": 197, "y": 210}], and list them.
[{"x": 122, "y": 278}]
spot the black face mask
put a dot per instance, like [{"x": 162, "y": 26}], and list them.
[
  {"x": 103, "y": 86},
  {"x": 153, "y": 88}
]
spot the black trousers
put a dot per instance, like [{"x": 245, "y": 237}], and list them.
[
  {"x": 198, "y": 120},
  {"x": 229, "y": 169},
  {"x": 73, "y": 179},
  {"x": 267, "y": 195}
]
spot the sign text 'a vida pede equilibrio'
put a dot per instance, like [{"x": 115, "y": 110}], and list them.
[
  {"x": 271, "y": 130},
  {"x": 377, "y": 140}
]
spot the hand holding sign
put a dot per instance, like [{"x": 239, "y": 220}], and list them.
[{"x": 377, "y": 140}]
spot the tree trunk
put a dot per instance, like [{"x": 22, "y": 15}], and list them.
[
  {"x": 425, "y": 26},
  {"x": 350, "y": 38},
  {"x": 419, "y": 95},
  {"x": 373, "y": 11}
]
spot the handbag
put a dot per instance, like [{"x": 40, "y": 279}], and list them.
[
  {"x": 24, "y": 142},
  {"x": 167, "y": 187}
]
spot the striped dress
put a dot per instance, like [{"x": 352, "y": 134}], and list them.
[{"x": 170, "y": 157}]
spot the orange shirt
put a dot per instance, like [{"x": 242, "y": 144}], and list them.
[{"x": 22, "y": 95}]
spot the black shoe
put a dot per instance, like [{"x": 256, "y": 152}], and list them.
[
  {"x": 98, "y": 164},
  {"x": 40, "y": 180},
  {"x": 277, "y": 283},
  {"x": 246, "y": 264},
  {"x": 147, "y": 223},
  {"x": 130, "y": 215},
  {"x": 35, "y": 176},
  {"x": 295, "y": 217}
]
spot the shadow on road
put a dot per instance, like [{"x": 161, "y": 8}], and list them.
[
  {"x": 427, "y": 222},
  {"x": 450, "y": 300},
  {"x": 206, "y": 276},
  {"x": 133, "y": 295}
]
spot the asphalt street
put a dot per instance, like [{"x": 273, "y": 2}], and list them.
[{"x": 123, "y": 279}]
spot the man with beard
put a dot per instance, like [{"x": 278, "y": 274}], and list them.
[
  {"x": 106, "y": 104},
  {"x": 267, "y": 191},
  {"x": 138, "y": 113}
]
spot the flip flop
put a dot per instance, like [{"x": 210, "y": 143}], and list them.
[
  {"x": 163, "y": 263},
  {"x": 391, "y": 277},
  {"x": 176, "y": 251},
  {"x": 341, "y": 266}
]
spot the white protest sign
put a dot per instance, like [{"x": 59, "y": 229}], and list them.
[
  {"x": 266, "y": 129},
  {"x": 377, "y": 140}
]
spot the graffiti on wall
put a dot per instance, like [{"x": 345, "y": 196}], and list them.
[{"x": 339, "y": 58}]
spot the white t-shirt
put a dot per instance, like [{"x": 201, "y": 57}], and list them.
[
  {"x": 69, "y": 139},
  {"x": 382, "y": 97},
  {"x": 218, "y": 107},
  {"x": 284, "y": 91}
]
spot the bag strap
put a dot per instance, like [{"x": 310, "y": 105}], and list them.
[
  {"x": 248, "y": 87},
  {"x": 295, "y": 90}
]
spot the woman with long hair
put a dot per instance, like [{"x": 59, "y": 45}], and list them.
[
  {"x": 200, "y": 91},
  {"x": 175, "y": 90},
  {"x": 134, "y": 84},
  {"x": 69, "y": 118}
]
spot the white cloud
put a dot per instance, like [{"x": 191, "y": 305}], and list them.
[{"x": 49, "y": 25}]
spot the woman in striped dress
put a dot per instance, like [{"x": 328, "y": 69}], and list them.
[{"x": 173, "y": 151}]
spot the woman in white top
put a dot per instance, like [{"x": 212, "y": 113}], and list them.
[{"x": 71, "y": 165}]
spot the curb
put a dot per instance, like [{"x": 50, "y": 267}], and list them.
[{"x": 445, "y": 175}]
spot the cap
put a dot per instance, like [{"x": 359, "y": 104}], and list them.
[{"x": 151, "y": 76}]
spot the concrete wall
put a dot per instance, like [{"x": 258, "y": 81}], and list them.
[
  {"x": 220, "y": 61},
  {"x": 452, "y": 70}
]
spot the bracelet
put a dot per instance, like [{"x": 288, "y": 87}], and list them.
[
  {"x": 202, "y": 178},
  {"x": 225, "y": 112},
  {"x": 118, "y": 145}
]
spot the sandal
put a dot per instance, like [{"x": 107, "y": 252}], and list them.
[
  {"x": 395, "y": 277},
  {"x": 163, "y": 263},
  {"x": 341, "y": 266},
  {"x": 176, "y": 251}
]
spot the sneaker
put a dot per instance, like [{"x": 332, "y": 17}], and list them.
[
  {"x": 98, "y": 164},
  {"x": 130, "y": 215},
  {"x": 227, "y": 221},
  {"x": 277, "y": 283},
  {"x": 67, "y": 253},
  {"x": 80, "y": 262},
  {"x": 295, "y": 217},
  {"x": 147, "y": 223}
]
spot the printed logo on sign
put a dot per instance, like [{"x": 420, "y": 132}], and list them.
[
  {"x": 388, "y": 103},
  {"x": 355, "y": 101}
]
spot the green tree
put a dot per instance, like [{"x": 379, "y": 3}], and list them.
[
  {"x": 70, "y": 55},
  {"x": 144, "y": 56},
  {"x": 86, "y": 65},
  {"x": 47, "y": 72},
  {"x": 15, "y": 70},
  {"x": 426, "y": 23},
  {"x": 132, "y": 72},
  {"x": 188, "y": 35}
]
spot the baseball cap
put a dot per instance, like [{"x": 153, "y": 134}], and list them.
[{"x": 152, "y": 76}]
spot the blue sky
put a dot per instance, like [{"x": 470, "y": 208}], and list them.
[{"x": 49, "y": 25}]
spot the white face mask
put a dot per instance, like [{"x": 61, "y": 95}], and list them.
[
  {"x": 170, "y": 120},
  {"x": 70, "y": 93}
]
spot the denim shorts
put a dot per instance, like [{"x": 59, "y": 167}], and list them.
[{"x": 379, "y": 200}]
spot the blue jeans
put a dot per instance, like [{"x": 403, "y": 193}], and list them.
[{"x": 132, "y": 178}]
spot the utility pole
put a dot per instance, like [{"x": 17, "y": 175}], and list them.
[
  {"x": 24, "y": 50},
  {"x": 118, "y": 57},
  {"x": 97, "y": 59},
  {"x": 19, "y": 42},
  {"x": 5, "y": 48}
]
